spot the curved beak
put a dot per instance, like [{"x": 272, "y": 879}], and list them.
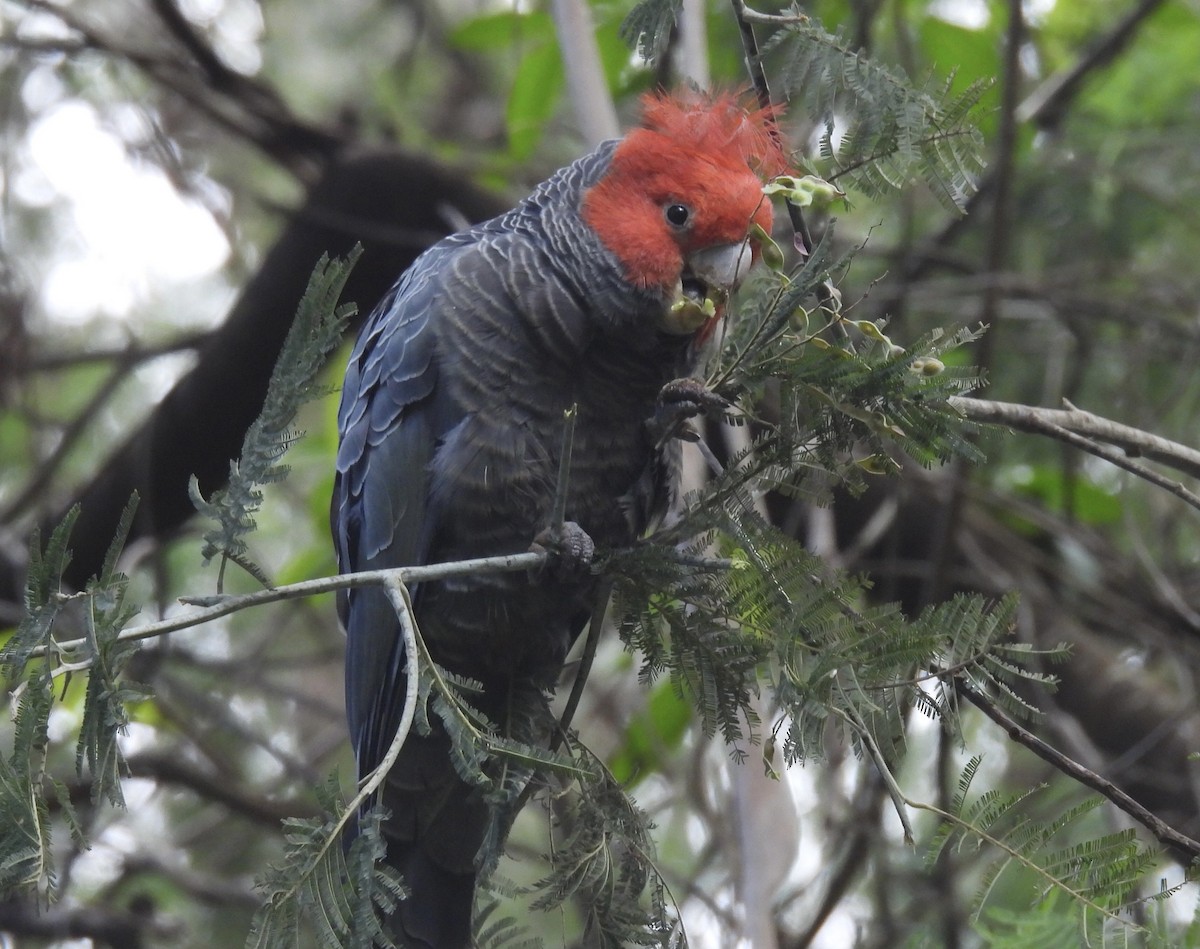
[
  {"x": 709, "y": 275},
  {"x": 719, "y": 268}
]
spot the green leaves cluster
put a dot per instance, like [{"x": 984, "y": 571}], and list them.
[
  {"x": 1099, "y": 875},
  {"x": 316, "y": 330},
  {"x": 603, "y": 860},
  {"x": 32, "y": 659},
  {"x": 881, "y": 131},
  {"x": 26, "y": 788},
  {"x": 41, "y": 656},
  {"x": 344, "y": 892}
]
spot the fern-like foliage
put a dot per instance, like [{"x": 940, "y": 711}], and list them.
[
  {"x": 881, "y": 131},
  {"x": 847, "y": 403},
  {"x": 27, "y": 862},
  {"x": 846, "y": 392},
  {"x": 1098, "y": 875},
  {"x": 602, "y": 859},
  {"x": 684, "y": 623},
  {"x": 647, "y": 27},
  {"x": 27, "y": 661},
  {"x": 32, "y": 659},
  {"x": 316, "y": 330},
  {"x": 104, "y": 716},
  {"x": 337, "y": 893},
  {"x": 43, "y": 598},
  {"x": 1051, "y": 920},
  {"x": 496, "y": 931}
]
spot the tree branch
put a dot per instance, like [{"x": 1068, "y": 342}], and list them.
[
  {"x": 593, "y": 105},
  {"x": 218, "y": 605},
  {"x": 1047, "y": 103},
  {"x": 1065, "y": 425},
  {"x": 1043, "y": 421},
  {"x": 1045, "y": 107},
  {"x": 117, "y": 928},
  {"x": 1166, "y": 834},
  {"x": 171, "y": 769}
]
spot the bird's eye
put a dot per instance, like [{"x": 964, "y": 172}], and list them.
[{"x": 677, "y": 214}]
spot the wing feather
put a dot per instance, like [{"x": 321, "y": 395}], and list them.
[{"x": 390, "y": 422}]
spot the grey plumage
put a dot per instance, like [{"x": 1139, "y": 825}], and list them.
[{"x": 451, "y": 424}]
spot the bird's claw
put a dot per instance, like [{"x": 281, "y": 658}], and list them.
[
  {"x": 568, "y": 548},
  {"x": 678, "y": 401}
]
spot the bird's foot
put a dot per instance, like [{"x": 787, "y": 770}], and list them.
[
  {"x": 678, "y": 401},
  {"x": 568, "y": 548}
]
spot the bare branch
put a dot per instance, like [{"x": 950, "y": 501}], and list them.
[
  {"x": 130, "y": 354},
  {"x": 42, "y": 476},
  {"x": 171, "y": 769},
  {"x": 214, "y": 607},
  {"x": 119, "y": 928},
  {"x": 249, "y": 108},
  {"x": 1049, "y": 101},
  {"x": 1166, "y": 834},
  {"x": 1134, "y": 442},
  {"x": 594, "y": 110}
]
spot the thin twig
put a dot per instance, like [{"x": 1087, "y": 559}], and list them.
[
  {"x": 559, "y": 512},
  {"x": 41, "y": 478},
  {"x": 595, "y": 627},
  {"x": 851, "y": 717},
  {"x": 1165, "y": 833},
  {"x": 1076, "y": 893},
  {"x": 398, "y": 595},
  {"x": 825, "y": 292},
  {"x": 775, "y": 19},
  {"x": 214, "y": 607}
]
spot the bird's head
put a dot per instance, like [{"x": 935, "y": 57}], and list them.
[{"x": 680, "y": 197}]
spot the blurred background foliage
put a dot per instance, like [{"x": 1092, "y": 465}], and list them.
[{"x": 169, "y": 174}]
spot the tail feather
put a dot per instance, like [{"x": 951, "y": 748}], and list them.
[{"x": 433, "y": 836}]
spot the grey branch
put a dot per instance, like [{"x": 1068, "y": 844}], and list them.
[
  {"x": 594, "y": 109},
  {"x": 214, "y": 607},
  {"x": 1180, "y": 843},
  {"x": 1134, "y": 442}
]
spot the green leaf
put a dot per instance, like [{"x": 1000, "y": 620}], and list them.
[
  {"x": 1062, "y": 491},
  {"x": 531, "y": 103},
  {"x": 651, "y": 734},
  {"x": 502, "y": 31},
  {"x": 316, "y": 331}
]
